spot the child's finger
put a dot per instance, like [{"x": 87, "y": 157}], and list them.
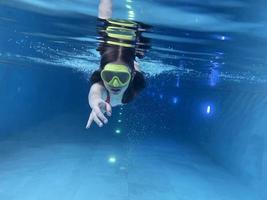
[
  {"x": 100, "y": 115},
  {"x": 108, "y": 109},
  {"x": 98, "y": 121},
  {"x": 90, "y": 120}
]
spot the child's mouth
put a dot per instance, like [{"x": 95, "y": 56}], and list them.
[{"x": 115, "y": 90}]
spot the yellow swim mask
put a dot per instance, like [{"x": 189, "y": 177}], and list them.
[{"x": 116, "y": 75}]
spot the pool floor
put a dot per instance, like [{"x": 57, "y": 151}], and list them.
[{"x": 59, "y": 159}]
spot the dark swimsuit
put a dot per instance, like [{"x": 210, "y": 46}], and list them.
[{"x": 108, "y": 98}]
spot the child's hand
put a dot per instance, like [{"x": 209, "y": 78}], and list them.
[{"x": 97, "y": 114}]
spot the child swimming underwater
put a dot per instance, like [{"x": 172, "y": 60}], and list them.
[{"x": 119, "y": 79}]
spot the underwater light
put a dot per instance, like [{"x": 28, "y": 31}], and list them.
[
  {"x": 208, "y": 109},
  {"x": 128, "y": 6},
  {"x": 118, "y": 131},
  {"x": 131, "y": 14},
  {"x": 119, "y": 120},
  {"x": 220, "y": 37},
  {"x": 112, "y": 159},
  {"x": 175, "y": 100}
]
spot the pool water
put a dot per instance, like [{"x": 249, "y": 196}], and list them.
[{"x": 198, "y": 130}]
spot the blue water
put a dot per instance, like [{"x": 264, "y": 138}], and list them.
[{"x": 197, "y": 132}]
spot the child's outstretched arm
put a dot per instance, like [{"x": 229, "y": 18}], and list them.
[
  {"x": 105, "y": 9},
  {"x": 98, "y": 105}
]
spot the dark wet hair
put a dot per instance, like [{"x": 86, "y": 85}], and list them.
[{"x": 125, "y": 55}]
